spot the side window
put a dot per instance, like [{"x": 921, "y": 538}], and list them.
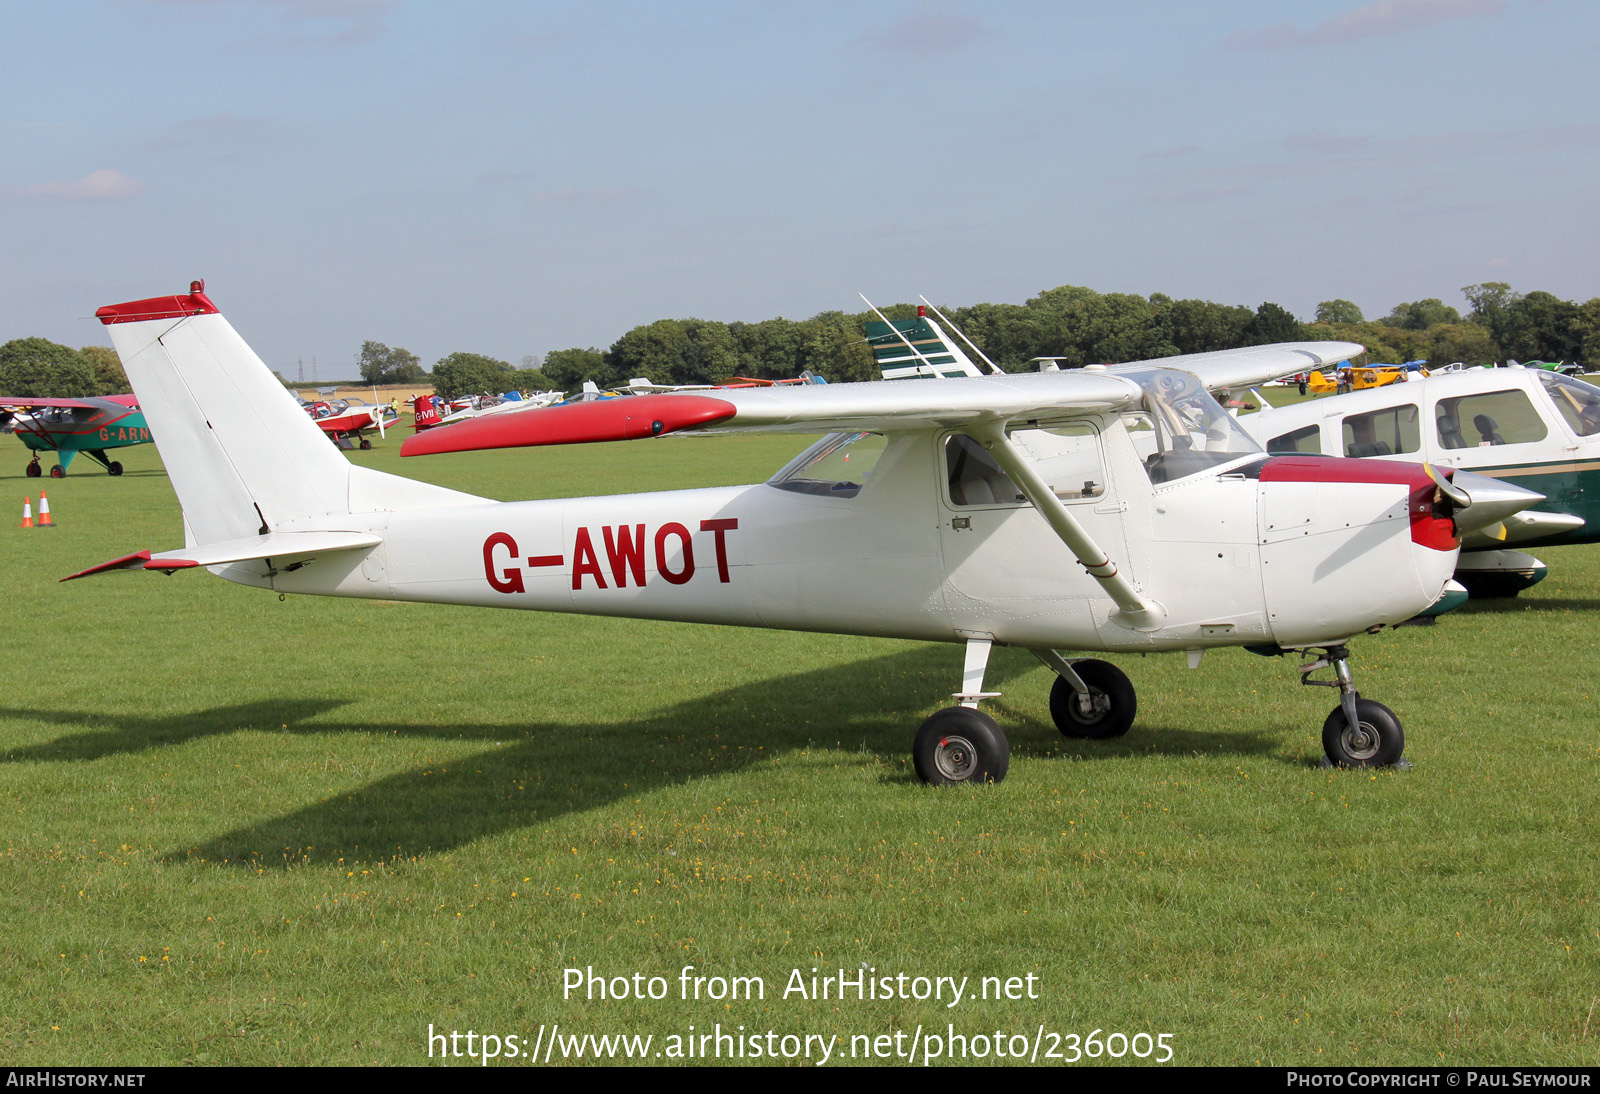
[
  {"x": 1066, "y": 456},
  {"x": 1308, "y": 439},
  {"x": 1482, "y": 421},
  {"x": 1384, "y": 432},
  {"x": 973, "y": 476},
  {"x": 837, "y": 466}
]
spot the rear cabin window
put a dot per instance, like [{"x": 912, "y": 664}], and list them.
[
  {"x": 1308, "y": 439},
  {"x": 836, "y": 466},
  {"x": 1384, "y": 432},
  {"x": 1485, "y": 421}
]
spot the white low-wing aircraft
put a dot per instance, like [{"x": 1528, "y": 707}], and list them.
[{"x": 1107, "y": 509}]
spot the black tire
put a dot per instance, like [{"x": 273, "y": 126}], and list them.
[
  {"x": 114, "y": 468},
  {"x": 1110, "y": 690},
  {"x": 960, "y": 745},
  {"x": 58, "y": 472},
  {"x": 34, "y": 471},
  {"x": 365, "y": 444},
  {"x": 1378, "y": 743}
]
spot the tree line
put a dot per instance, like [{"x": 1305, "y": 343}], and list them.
[{"x": 1075, "y": 324}]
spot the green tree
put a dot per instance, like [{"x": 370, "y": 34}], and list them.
[
  {"x": 1273, "y": 323},
  {"x": 381, "y": 365},
  {"x": 1541, "y": 327},
  {"x": 1421, "y": 314},
  {"x": 1339, "y": 311},
  {"x": 1466, "y": 342},
  {"x": 836, "y": 348},
  {"x": 109, "y": 379},
  {"x": 471, "y": 374},
  {"x": 1586, "y": 329},
  {"x": 1199, "y": 326},
  {"x": 567, "y": 369},
  {"x": 38, "y": 368}
]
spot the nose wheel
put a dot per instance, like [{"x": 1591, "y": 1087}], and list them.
[{"x": 1358, "y": 732}]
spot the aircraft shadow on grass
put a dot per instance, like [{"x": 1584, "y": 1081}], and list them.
[{"x": 540, "y": 770}]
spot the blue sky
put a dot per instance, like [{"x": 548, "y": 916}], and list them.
[{"x": 512, "y": 178}]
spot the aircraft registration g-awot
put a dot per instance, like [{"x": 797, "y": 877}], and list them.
[
  {"x": 66, "y": 427},
  {"x": 1534, "y": 428},
  {"x": 1105, "y": 509}
]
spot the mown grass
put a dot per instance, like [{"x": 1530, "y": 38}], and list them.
[{"x": 245, "y": 831}]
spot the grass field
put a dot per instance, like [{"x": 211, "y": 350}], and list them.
[{"x": 245, "y": 831}]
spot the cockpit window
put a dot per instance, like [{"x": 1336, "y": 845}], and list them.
[
  {"x": 1578, "y": 402},
  {"x": 836, "y": 466},
  {"x": 1182, "y": 430}
]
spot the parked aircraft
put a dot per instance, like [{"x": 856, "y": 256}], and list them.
[
  {"x": 1537, "y": 429},
  {"x": 347, "y": 418},
  {"x": 66, "y": 427},
  {"x": 1103, "y": 509}
]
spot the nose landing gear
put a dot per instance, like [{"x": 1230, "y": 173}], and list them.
[{"x": 1358, "y": 732}]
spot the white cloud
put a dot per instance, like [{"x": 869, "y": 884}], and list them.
[{"x": 107, "y": 184}]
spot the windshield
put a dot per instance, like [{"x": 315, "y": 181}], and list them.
[
  {"x": 1181, "y": 430},
  {"x": 1578, "y": 402}
]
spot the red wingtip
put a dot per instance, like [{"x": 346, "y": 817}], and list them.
[
  {"x": 160, "y": 307},
  {"x": 624, "y": 419}
]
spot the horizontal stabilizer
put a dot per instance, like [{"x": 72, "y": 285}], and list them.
[{"x": 275, "y": 545}]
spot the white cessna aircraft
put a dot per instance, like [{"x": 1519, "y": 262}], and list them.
[{"x": 1108, "y": 509}]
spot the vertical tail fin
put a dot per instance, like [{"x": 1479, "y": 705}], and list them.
[{"x": 243, "y": 457}]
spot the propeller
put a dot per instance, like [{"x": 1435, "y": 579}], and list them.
[
  {"x": 1481, "y": 502},
  {"x": 1458, "y": 497}
]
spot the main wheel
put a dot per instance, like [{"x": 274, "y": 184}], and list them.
[
  {"x": 960, "y": 745},
  {"x": 58, "y": 472},
  {"x": 1377, "y": 740},
  {"x": 1112, "y": 702},
  {"x": 33, "y": 470},
  {"x": 365, "y": 444},
  {"x": 114, "y": 468}
]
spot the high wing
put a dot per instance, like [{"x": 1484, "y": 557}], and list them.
[{"x": 883, "y": 405}]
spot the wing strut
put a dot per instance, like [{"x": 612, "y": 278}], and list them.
[{"x": 1137, "y": 612}]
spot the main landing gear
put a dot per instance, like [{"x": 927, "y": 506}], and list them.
[
  {"x": 1358, "y": 732},
  {"x": 961, "y": 744}
]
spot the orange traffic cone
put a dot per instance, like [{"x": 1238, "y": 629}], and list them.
[
  {"x": 27, "y": 512},
  {"x": 44, "y": 512}
]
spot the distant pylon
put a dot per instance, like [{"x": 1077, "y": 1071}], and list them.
[
  {"x": 27, "y": 512},
  {"x": 44, "y": 512}
]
